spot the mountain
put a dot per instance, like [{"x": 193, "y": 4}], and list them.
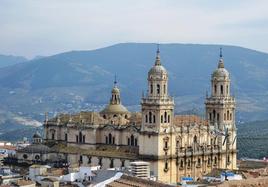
[
  {"x": 82, "y": 80},
  {"x": 7, "y": 60}
]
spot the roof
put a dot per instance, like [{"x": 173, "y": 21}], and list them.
[
  {"x": 157, "y": 69},
  {"x": 115, "y": 108},
  {"x": 180, "y": 120},
  {"x": 37, "y": 135},
  {"x": 126, "y": 180},
  {"x": 35, "y": 148}
]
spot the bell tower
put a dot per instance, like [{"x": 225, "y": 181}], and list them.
[
  {"x": 220, "y": 113},
  {"x": 157, "y": 107}
]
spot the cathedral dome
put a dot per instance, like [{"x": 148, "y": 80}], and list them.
[
  {"x": 114, "y": 109},
  {"x": 37, "y": 135}
]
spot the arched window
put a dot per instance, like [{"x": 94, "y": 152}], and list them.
[
  {"x": 181, "y": 165},
  {"x": 123, "y": 163},
  {"x": 165, "y": 117},
  {"x": 150, "y": 117},
  {"x": 228, "y": 114},
  {"x": 215, "y": 89},
  {"x": 154, "y": 118},
  {"x": 37, "y": 157},
  {"x": 210, "y": 116},
  {"x": 80, "y": 137},
  {"x": 215, "y": 160},
  {"x": 168, "y": 118},
  {"x": 110, "y": 138},
  {"x": 195, "y": 139},
  {"x": 227, "y": 89},
  {"x": 113, "y": 140},
  {"x": 161, "y": 118},
  {"x": 218, "y": 117},
  {"x": 158, "y": 89},
  {"x": 115, "y": 116},
  {"x": 66, "y": 137},
  {"x": 214, "y": 114},
  {"x": 53, "y": 135},
  {"x": 166, "y": 166},
  {"x": 231, "y": 116},
  {"x": 136, "y": 142},
  {"x": 84, "y": 139},
  {"x": 164, "y": 89},
  {"x": 177, "y": 144},
  {"x": 208, "y": 161},
  {"x": 221, "y": 89},
  {"x": 132, "y": 140},
  {"x": 224, "y": 116},
  {"x": 151, "y": 88},
  {"x": 146, "y": 118},
  {"x": 81, "y": 159},
  {"x": 104, "y": 116},
  {"x": 199, "y": 162}
]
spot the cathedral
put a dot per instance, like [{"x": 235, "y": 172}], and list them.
[{"x": 176, "y": 146}]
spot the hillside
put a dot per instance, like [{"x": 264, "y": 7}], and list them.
[
  {"x": 82, "y": 80},
  {"x": 8, "y": 60}
]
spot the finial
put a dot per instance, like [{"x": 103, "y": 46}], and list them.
[
  {"x": 115, "y": 80},
  {"x": 221, "y": 64},
  {"x": 157, "y": 60}
]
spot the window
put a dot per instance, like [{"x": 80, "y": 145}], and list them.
[
  {"x": 227, "y": 89},
  {"x": 166, "y": 144},
  {"x": 231, "y": 116},
  {"x": 228, "y": 158},
  {"x": 89, "y": 159},
  {"x": 218, "y": 117},
  {"x": 25, "y": 156},
  {"x": 80, "y": 137},
  {"x": 76, "y": 139},
  {"x": 208, "y": 161},
  {"x": 199, "y": 162},
  {"x": 164, "y": 89},
  {"x": 146, "y": 118},
  {"x": 215, "y": 160},
  {"x": 166, "y": 166},
  {"x": 53, "y": 136},
  {"x": 150, "y": 117},
  {"x": 115, "y": 116},
  {"x": 228, "y": 114},
  {"x": 113, "y": 140},
  {"x": 154, "y": 118},
  {"x": 100, "y": 161},
  {"x": 189, "y": 163},
  {"x": 123, "y": 163},
  {"x": 81, "y": 159},
  {"x": 215, "y": 89},
  {"x": 181, "y": 165},
  {"x": 128, "y": 141},
  {"x": 168, "y": 118},
  {"x": 104, "y": 116},
  {"x": 66, "y": 137},
  {"x": 224, "y": 116},
  {"x": 177, "y": 144},
  {"x": 161, "y": 118},
  {"x": 110, "y": 138},
  {"x": 214, "y": 114},
  {"x": 195, "y": 139},
  {"x": 112, "y": 163},
  {"x": 158, "y": 89},
  {"x": 210, "y": 116},
  {"x": 37, "y": 157},
  {"x": 221, "y": 89},
  {"x": 151, "y": 88},
  {"x": 132, "y": 140},
  {"x": 136, "y": 142},
  {"x": 84, "y": 139},
  {"x": 165, "y": 117}
]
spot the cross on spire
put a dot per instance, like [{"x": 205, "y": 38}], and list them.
[
  {"x": 220, "y": 52},
  {"x": 115, "y": 80}
]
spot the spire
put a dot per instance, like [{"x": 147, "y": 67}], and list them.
[
  {"x": 115, "y": 80},
  {"x": 221, "y": 63},
  {"x": 157, "y": 60}
]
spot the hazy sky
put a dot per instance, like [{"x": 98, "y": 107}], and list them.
[{"x": 45, "y": 27}]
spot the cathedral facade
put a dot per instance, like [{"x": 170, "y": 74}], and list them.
[{"x": 175, "y": 145}]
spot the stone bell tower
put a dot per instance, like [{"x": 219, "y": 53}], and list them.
[
  {"x": 220, "y": 113},
  {"x": 157, "y": 116}
]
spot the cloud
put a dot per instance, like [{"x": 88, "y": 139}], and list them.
[{"x": 47, "y": 27}]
